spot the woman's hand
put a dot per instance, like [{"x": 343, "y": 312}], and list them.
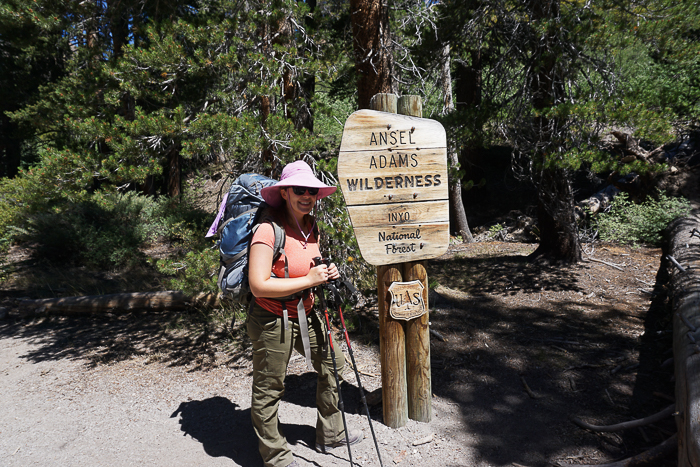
[
  {"x": 321, "y": 274},
  {"x": 318, "y": 275},
  {"x": 333, "y": 272}
]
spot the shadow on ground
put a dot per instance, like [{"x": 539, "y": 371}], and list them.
[
  {"x": 223, "y": 429},
  {"x": 174, "y": 338},
  {"x": 576, "y": 358}
]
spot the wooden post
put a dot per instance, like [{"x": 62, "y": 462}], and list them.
[
  {"x": 410, "y": 105},
  {"x": 384, "y": 102},
  {"x": 392, "y": 168},
  {"x": 418, "y": 380},
  {"x": 392, "y": 340},
  {"x": 392, "y": 350}
]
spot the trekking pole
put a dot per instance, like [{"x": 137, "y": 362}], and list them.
[
  {"x": 317, "y": 261},
  {"x": 336, "y": 297}
]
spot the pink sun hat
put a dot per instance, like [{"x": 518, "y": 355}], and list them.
[{"x": 295, "y": 174}]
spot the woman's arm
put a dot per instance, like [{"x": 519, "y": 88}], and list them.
[{"x": 262, "y": 284}]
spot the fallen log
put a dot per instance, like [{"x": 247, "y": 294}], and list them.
[
  {"x": 119, "y": 302},
  {"x": 597, "y": 202},
  {"x": 684, "y": 281},
  {"x": 667, "y": 412}
]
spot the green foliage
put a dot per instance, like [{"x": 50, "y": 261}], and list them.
[
  {"x": 114, "y": 94},
  {"x": 331, "y": 113},
  {"x": 337, "y": 237},
  {"x": 636, "y": 223},
  {"x": 194, "y": 271},
  {"x": 494, "y": 230},
  {"x": 191, "y": 83},
  {"x": 104, "y": 231}
]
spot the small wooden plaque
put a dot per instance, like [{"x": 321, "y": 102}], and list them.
[{"x": 407, "y": 300}]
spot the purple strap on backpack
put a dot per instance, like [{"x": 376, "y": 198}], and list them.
[{"x": 215, "y": 225}]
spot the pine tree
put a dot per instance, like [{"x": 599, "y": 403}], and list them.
[{"x": 195, "y": 82}]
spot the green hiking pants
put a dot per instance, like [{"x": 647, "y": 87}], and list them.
[{"x": 272, "y": 348}]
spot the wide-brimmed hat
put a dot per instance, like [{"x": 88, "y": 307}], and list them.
[{"x": 295, "y": 174}]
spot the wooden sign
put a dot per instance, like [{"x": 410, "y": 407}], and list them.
[
  {"x": 406, "y": 300},
  {"x": 393, "y": 174}
]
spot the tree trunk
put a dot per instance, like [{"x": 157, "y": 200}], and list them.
[
  {"x": 118, "y": 26},
  {"x": 119, "y": 302},
  {"x": 374, "y": 63},
  {"x": 555, "y": 206},
  {"x": 174, "y": 171},
  {"x": 458, "y": 216},
  {"x": 468, "y": 98},
  {"x": 446, "y": 79},
  {"x": 556, "y": 218}
]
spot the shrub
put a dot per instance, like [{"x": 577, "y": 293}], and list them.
[
  {"x": 195, "y": 269},
  {"x": 104, "y": 231},
  {"x": 632, "y": 223}
]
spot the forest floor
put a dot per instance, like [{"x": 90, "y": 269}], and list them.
[{"x": 525, "y": 348}]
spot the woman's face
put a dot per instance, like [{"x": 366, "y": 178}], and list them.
[{"x": 300, "y": 204}]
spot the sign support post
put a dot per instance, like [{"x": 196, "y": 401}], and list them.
[
  {"x": 392, "y": 339},
  {"x": 418, "y": 379},
  {"x": 392, "y": 169}
]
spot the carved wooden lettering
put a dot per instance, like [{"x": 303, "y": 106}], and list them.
[{"x": 393, "y": 174}]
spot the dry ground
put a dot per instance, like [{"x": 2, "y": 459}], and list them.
[{"x": 525, "y": 348}]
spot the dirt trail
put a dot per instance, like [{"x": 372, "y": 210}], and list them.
[
  {"x": 589, "y": 340},
  {"x": 62, "y": 410}
]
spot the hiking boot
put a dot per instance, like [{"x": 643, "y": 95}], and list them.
[{"x": 354, "y": 436}]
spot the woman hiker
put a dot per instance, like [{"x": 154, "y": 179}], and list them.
[{"x": 279, "y": 323}]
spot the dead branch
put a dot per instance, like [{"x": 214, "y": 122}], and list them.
[
  {"x": 439, "y": 336},
  {"x": 631, "y": 147},
  {"x": 358, "y": 370},
  {"x": 527, "y": 388},
  {"x": 667, "y": 412},
  {"x": 612, "y": 265},
  {"x": 675, "y": 263},
  {"x": 597, "y": 202},
  {"x": 650, "y": 457}
]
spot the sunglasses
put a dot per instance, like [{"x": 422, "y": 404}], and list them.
[{"x": 300, "y": 190}]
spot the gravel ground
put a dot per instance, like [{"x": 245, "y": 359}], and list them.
[
  {"x": 525, "y": 348},
  {"x": 60, "y": 410}
]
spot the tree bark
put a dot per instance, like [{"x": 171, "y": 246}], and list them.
[
  {"x": 174, "y": 171},
  {"x": 683, "y": 245},
  {"x": 468, "y": 98},
  {"x": 374, "y": 63},
  {"x": 556, "y": 218},
  {"x": 555, "y": 206}
]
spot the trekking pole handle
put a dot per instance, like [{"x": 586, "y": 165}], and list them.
[{"x": 319, "y": 261}]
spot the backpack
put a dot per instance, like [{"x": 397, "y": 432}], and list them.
[
  {"x": 242, "y": 211},
  {"x": 240, "y": 214}
]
